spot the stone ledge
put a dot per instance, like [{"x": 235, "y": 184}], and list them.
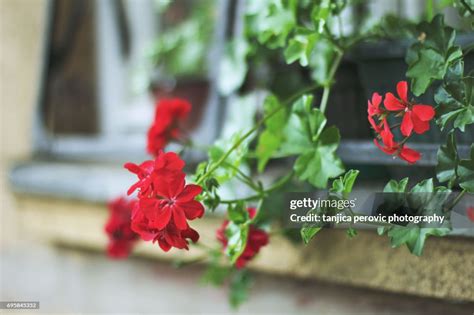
[{"x": 367, "y": 261}]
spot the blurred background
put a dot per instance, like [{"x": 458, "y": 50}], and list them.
[{"x": 79, "y": 80}]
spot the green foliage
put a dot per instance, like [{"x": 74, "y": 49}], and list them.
[
  {"x": 271, "y": 138},
  {"x": 320, "y": 163},
  {"x": 237, "y": 230},
  {"x": 413, "y": 236},
  {"x": 351, "y": 232},
  {"x": 300, "y": 47},
  {"x": 340, "y": 190},
  {"x": 396, "y": 187},
  {"x": 425, "y": 199},
  {"x": 342, "y": 186},
  {"x": 455, "y": 99},
  {"x": 238, "y": 213},
  {"x": 316, "y": 146},
  {"x": 429, "y": 58},
  {"x": 272, "y": 20},
  {"x": 240, "y": 284},
  {"x": 465, "y": 172},
  {"x": 321, "y": 60},
  {"x": 180, "y": 50},
  {"x": 308, "y": 232},
  {"x": 454, "y": 170},
  {"x": 215, "y": 274}
]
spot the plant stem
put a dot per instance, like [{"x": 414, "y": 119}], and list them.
[
  {"x": 467, "y": 6},
  {"x": 251, "y": 131},
  {"x": 275, "y": 186},
  {"x": 327, "y": 87},
  {"x": 457, "y": 199}
]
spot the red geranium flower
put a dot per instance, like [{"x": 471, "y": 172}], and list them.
[
  {"x": 256, "y": 239},
  {"x": 167, "y": 237},
  {"x": 165, "y": 202},
  {"x": 172, "y": 200},
  {"x": 168, "y": 114},
  {"x": 373, "y": 107},
  {"x": 416, "y": 117},
  {"x": 121, "y": 237},
  {"x": 393, "y": 148},
  {"x": 168, "y": 163}
]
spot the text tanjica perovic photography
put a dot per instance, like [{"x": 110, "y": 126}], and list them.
[{"x": 239, "y": 140}]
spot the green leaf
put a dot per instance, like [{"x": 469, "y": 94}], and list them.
[
  {"x": 239, "y": 286},
  {"x": 396, "y": 187},
  {"x": 303, "y": 125},
  {"x": 272, "y": 20},
  {"x": 453, "y": 169},
  {"x": 300, "y": 47},
  {"x": 429, "y": 58},
  {"x": 351, "y": 232},
  {"x": 271, "y": 138},
  {"x": 413, "y": 236},
  {"x": 298, "y": 133},
  {"x": 233, "y": 66},
  {"x": 430, "y": 66},
  {"x": 455, "y": 101},
  {"x": 320, "y": 14},
  {"x": 465, "y": 172},
  {"x": 307, "y": 233},
  {"x": 238, "y": 213},
  {"x": 343, "y": 185},
  {"x": 320, "y": 163},
  {"x": 236, "y": 235},
  {"x": 321, "y": 60},
  {"x": 447, "y": 161},
  {"x": 341, "y": 188},
  {"x": 215, "y": 275}
]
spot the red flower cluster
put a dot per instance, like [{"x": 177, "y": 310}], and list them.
[
  {"x": 165, "y": 202},
  {"x": 121, "y": 237},
  {"x": 416, "y": 117},
  {"x": 168, "y": 114},
  {"x": 256, "y": 239}
]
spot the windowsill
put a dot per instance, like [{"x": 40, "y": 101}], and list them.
[
  {"x": 102, "y": 182},
  {"x": 120, "y": 149}
]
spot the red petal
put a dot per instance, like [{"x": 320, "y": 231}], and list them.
[
  {"x": 402, "y": 90},
  {"x": 176, "y": 184},
  {"x": 407, "y": 124},
  {"x": 190, "y": 233},
  {"x": 409, "y": 155},
  {"x": 392, "y": 103},
  {"x": 388, "y": 151},
  {"x": 189, "y": 192},
  {"x": 387, "y": 135},
  {"x": 470, "y": 213},
  {"x": 164, "y": 245},
  {"x": 132, "y": 167},
  {"x": 192, "y": 209},
  {"x": 373, "y": 124},
  {"x": 133, "y": 188},
  {"x": 376, "y": 99},
  {"x": 423, "y": 112},
  {"x": 179, "y": 218},
  {"x": 163, "y": 217},
  {"x": 420, "y": 126}
]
